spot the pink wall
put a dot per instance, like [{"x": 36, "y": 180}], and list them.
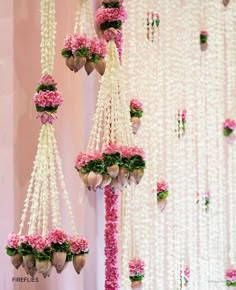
[{"x": 19, "y": 70}]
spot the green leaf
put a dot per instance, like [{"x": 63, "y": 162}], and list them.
[
  {"x": 64, "y": 247},
  {"x": 162, "y": 195},
  {"x": 66, "y": 53},
  {"x": 111, "y": 5},
  {"x": 157, "y": 22},
  {"x": 111, "y": 159},
  {"x": 46, "y": 109},
  {"x": 69, "y": 256},
  {"x": 137, "y": 277},
  {"x": 203, "y": 39},
  {"x": 84, "y": 52},
  {"x": 125, "y": 162},
  {"x": 11, "y": 251},
  {"x": 96, "y": 166},
  {"x": 44, "y": 88},
  {"x": 25, "y": 249},
  {"x": 136, "y": 162},
  {"x": 136, "y": 113},
  {"x": 108, "y": 24},
  {"x": 45, "y": 255},
  {"x": 94, "y": 58},
  {"x": 227, "y": 131}
]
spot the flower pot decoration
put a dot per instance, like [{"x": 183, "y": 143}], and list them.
[
  {"x": 47, "y": 99},
  {"x": 229, "y": 126},
  {"x": 203, "y": 40},
  {"x": 225, "y": 2},
  {"x": 136, "y": 113},
  {"x": 84, "y": 48},
  {"x": 136, "y": 273},
  {"x": 109, "y": 17},
  {"x": 204, "y": 201},
  {"x": 44, "y": 245},
  {"x": 230, "y": 277},
  {"x": 181, "y": 121},
  {"x": 162, "y": 194},
  {"x": 153, "y": 22},
  {"x": 184, "y": 276}
]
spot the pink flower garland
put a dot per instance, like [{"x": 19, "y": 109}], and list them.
[
  {"x": 111, "y": 243},
  {"x": 48, "y": 99}
]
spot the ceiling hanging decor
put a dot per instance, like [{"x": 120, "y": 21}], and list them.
[
  {"x": 203, "y": 40},
  {"x": 153, "y": 22},
  {"x": 136, "y": 113},
  {"x": 84, "y": 48},
  {"x": 45, "y": 245},
  {"x": 136, "y": 273}
]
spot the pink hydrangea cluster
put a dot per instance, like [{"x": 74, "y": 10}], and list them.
[
  {"x": 204, "y": 32},
  {"x": 110, "y": 14},
  {"x": 162, "y": 186},
  {"x": 83, "y": 158},
  {"x": 184, "y": 115},
  {"x": 230, "y": 275},
  {"x": 229, "y": 123},
  {"x": 128, "y": 151},
  {"x": 136, "y": 266},
  {"x": 98, "y": 46},
  {"x": 13, "y": 240},
  {"x": 80, "y": 41},
  {"x": 57, "y": 236},
  {"x": 111, "y": 33},
  {"x": 187, "y": 272},
  {"x": 68, "y": 42},
  {"x": 78, "y": 245},
  {"x": 112, "y": 148},
  {"x": 47, "y": 80},
  {"x": 48, "y": 99},
  {"x": 38, "y": 242},
  {"x": 136, "y": 105}
]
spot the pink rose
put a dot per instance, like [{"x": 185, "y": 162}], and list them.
[
  {"x": 162, "y": 186},
  {"x": 78, "y": 245},
  {"x": 57, "y": 237},
  {"x": 48, "y": 99},
  {"x": 47, "y": 80},
  {"x": 230, "y": 275},
  {"x": 136, "y": 105}
]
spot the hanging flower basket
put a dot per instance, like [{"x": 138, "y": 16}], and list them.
[
  {"x": 136, "y": 273},
  {"x": 203, "y": 40},
  {"x": 230, "y": 277},
  {"x": 162, "y": 194},
  {"x": 229, "y": 126},
  {"x": 184, "y": 276},
  {"x": 204, "y": 201},
  {"x": 182, "y": 120},
  {"x": 136, "y": 113},
  {"x": 153, "y": 22}
]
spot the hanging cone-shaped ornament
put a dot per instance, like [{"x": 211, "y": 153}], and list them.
[
  {"x": 225, "y": 2},
  {"x": 136, "y": 175},
  {"x": 58, "y": 260},
  {"x": 113, "y": 170},
  {"x": 136, "y": 123},
  {"x": 32, "y": 272},
  {"x": 94, "y": 179},
  {"x": 64, "y": 267},
  {"x": 16, "y": 260},
  {"x": 71, "y": 63},
  {"x": 79, "y": 262},
  {"x": 204, "y": 46},
  {"x": 162, "y": 203},
  {"x": 100, "y": 66},
  {"x": 29, "y": 263},
  {"x": 84, "y": 178},
  {"x": 115, "y": 185},
  {"x": 106, "y": 180},
  {"x": 136, "y": 285},
  {"x": 79, "y": 62},
  {"x": 123, "y": 176},
  {"x": 89, "y": 67},
  {"x": 43, "y": 266},
  {"x": 48, "y": 273}
]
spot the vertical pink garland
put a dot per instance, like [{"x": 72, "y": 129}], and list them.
[{"x": 111, "y": 239}]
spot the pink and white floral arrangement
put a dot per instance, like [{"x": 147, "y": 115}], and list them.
[
  {"x": 162, "y": 192},
  {"x": 136, "y": 113},
  {"x": 203, "y": 39},
  {"x": 185, "y": 276},
  {"x": 229, "y": 126},
  {"x": 230, "y": 277},
  {"x": 109, "y": 18},
  {"x": 181, "y": 119},
  {"x": 47, "y": 99},
  {"x": 39, "y": 254},
  {"x": 117, "y": 166},
  {"x": 81, "y": 51},
  {"x": 136, "y": 272},
  {"x": 205, "y": 200},
  {"x": 153, "y": 21}
]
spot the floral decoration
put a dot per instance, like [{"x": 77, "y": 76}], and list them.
[
  {"x": 117, "y": 166},
  {"x": 136, "y": 270},
  {"x": 153, "y": 21},
  {"x": 110, "y": 17},
  {"x": 230, "y": 277},
  {"x": 203, "y": 39},
  {"x": 162, "y": 190},
  {"x": 229, "y": 126},
  {"x": 185, "y": 276},
  {"x": 136, "y": 113},
  {"x": 181, "y": 119},
  {"x": 205, "y": 199}
]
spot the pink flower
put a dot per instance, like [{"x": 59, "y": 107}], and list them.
[
  {"x": 136, "y": 266},
  {"x": 47, "y": 80},
  {"x": 207, "y": 195},
  {"x": 112, "y": 148},
  {"x": 98, "y": 46},
  {"x": 187, "y": 272},
  {"x": 230, "y": 275},
  {"x": 38, "y": 242},
  {"x": 110, "y": 14},
  {"x": 78, "y": 245},
  {"x": 110, "y": 33},
  {"x": 79, "y": 41},
  {"x": 162, "y": 186},
  {"x": 184, "y": 115},
  {"x": 68, "y": 42},
  {"x": 128, "y": 151},
  {"x": 204, "y": 32},
  {"x": 229, "y": 123},
  {"x": 48, "y": 99},
  {"x": 13, "y": 240},
  {"x": 136, "y": 105},
  {"x": 57, "y": 237}
]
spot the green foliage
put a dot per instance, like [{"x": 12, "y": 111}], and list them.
[
  {"x": 229, "y": 283},
  {"x": 136, "y": 113},
  {"x": 137, "y": 277},
  {"x": 45, "y": 255},
  {"x": 69, "y": 256},
  {"x": 46, "y": 109},
  {"x": 227, "y": 131},
  {"x": 66, "y": 53},
  {"x": 44, "y": 88},
  {"x": 111, "y": 159},
  {"x": 25, "y": 249},
  {"x": 96, "y": 166},
  {"x": 11, "y": 251},
  {"x": 111, "y": 5},
  {"x": 94, "y": 58},
  {"x": 203, "y": 38},
  {"x": 136, "y": 162},
  {"x": 64, "y": 247},
  {"x": 162, "y": 195},
  {"x": 108, "y": 24},
  {"x": 125, "y": 162},
  {"x": 82, "y": 52}
]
